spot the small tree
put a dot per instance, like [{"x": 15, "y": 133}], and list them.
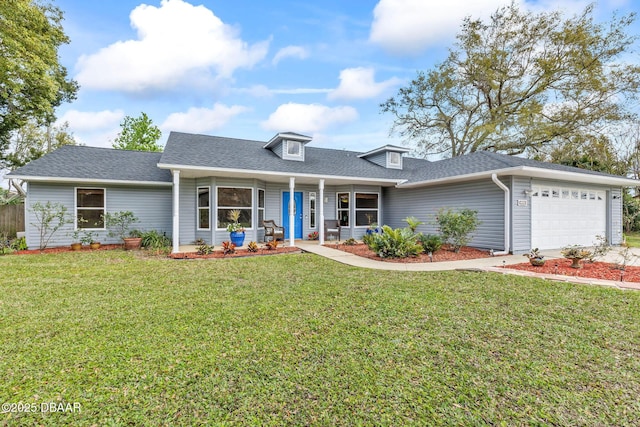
[
  {"x": 119, "y": 223},
  {"x": 456, "y": 227},
  {"x": 50, "y": 217},
  {"x": 138, "y": 133}
]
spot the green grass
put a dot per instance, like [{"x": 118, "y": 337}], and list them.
[
  {"x": 300, "y": 340},
  {"x": 633, "y": 239}
]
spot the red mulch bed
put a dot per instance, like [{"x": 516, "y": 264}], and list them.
[
  {"x": 595, "y": 270},
  {"x": 443, "y": 254},
  {"x": 237, "y": 254},
  {"x": 60, "y": 249}
]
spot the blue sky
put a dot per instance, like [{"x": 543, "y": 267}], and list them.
[{"x": 251, "y": 69}]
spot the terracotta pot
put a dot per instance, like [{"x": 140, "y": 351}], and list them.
[
  {"x": 131, "y": 243},
  {"x": 94, "y": 245},
  {"x": 76, "y": 246}
]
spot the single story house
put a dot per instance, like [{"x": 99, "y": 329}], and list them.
[{"x": 188, "y": 190}]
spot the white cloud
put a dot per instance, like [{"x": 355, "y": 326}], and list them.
[
  {"x": 290, "y": 52},
  {"x": 308, "y": 118},
  {"x": 410, "y": 26},
  {"x": 359, "y": 83},
  {"x": 198, "y": 120},
  {"x": 85, "y": 121},
  {"x": 176, "y": 42}
]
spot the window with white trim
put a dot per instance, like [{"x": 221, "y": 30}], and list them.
[
  {"x": 204, "y": 210},
  {"x": 234, "y": 198},
  {"x": 343, "y": 209},
  {"x": 394, "y": 158},
  {"x": 367, "y": 207},
  {"x": 261, "y": 202},
  {"x": 294, "y": 148},
  {"x": 90, "y": 208},
  {"x": 312, "y": 209}
]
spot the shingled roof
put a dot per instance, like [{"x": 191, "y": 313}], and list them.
[
  {"x": 183, "y": 149},
  {"x": 203, "y": 152},
  {"x": 73, "y": 163}
]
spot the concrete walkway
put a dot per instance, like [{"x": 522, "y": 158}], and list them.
[{"x": 497, "y": 264}]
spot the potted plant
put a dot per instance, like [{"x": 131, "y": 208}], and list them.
[
  {"x": 535, "y": 258},
  {"x": 89, "y": 239},
  {"x": 373, "y": 228},
  {"x": 235, "y": 229},
  {"x": 119, "y": 225},
  {"x": 76, "y": 245},
  {"x": 575, "y": 253}
]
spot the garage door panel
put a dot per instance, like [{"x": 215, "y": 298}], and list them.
[{"x": 567, "y": 216}]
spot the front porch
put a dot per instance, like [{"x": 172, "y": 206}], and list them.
[{"x": 201, "y": 205}]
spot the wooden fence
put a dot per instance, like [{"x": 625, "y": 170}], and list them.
[{"x": 11, "y": 219}]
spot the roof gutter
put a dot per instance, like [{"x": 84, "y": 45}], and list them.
[
  {"x": 507, "y": 215},
  {"x": 86, "y": 180},
  {"x": 532, "y": 172}
]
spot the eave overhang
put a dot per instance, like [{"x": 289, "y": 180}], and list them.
[
  {"x": 68, "y": 180},
  {"x": 532, "y": 172},
  {"x": 188, "y": 171}
]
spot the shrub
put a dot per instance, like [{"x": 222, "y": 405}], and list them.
[
  {"x": 228, "y": 248},
  {"x": 119, "y": 223},
  {"x": 456, "y": 227},
  {"x": 204, "y": 249},
  {"x": 19, "y": 244},
  {"x": 272, "y": 245},
  {"x": 350, "y": 241},
  {"x": 152, "y": 239},
  {"x": 398, "y": 243},
  {"x": 252, "y": 247},
  {"x": 50, "y": 217},
  {"x": 430, "y": 242},
  {"x": 413, "y": 223}
]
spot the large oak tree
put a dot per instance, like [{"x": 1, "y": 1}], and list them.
[
  {"x": 32, "y": 80},
  {"x": 519, "y": 83}
]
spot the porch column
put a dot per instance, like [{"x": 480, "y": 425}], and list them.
[
  {"x": 292, "y": 213},
  {"x": 176, "y": 212},
  {"x": 321, "y": 213}
]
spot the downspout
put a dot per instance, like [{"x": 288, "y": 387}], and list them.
[{"x": 507, "y": 214}]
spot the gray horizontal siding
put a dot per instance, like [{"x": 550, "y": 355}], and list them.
[
  {"x": 152, "y": 205},
  {"x": 423, "y": 203},
  {"x": 520, "y": 215},
  {"x": 616, "y": 236}
]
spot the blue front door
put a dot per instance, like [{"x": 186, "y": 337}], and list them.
[{"x": 297, "y": 198}]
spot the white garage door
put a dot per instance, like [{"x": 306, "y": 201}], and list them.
[{"x": 562, "y": 216}]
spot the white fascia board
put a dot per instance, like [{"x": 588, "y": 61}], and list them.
[
  {"x": 286, "y": 135},
  {"x": 530, "y": 172},
  {"x": 87, "y": 180},
  {"x": 256, "y": 173},
  {"x": 578, "y": 177},
  {"x": 393, "y": 148}
]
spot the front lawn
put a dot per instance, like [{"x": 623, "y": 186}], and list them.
[
  {"x": 300, "y": 340},
  {"x": 633, "y": 239}
]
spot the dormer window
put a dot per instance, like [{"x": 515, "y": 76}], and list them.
[
  {"x": 394, "y": 159},
  {"x": 288, "y": 146},
  {"x": 294, "y": 148},
  {"x": 389, "y": 156}
]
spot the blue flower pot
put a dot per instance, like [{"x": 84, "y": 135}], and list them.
[{"x": 237, "y": 238}]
